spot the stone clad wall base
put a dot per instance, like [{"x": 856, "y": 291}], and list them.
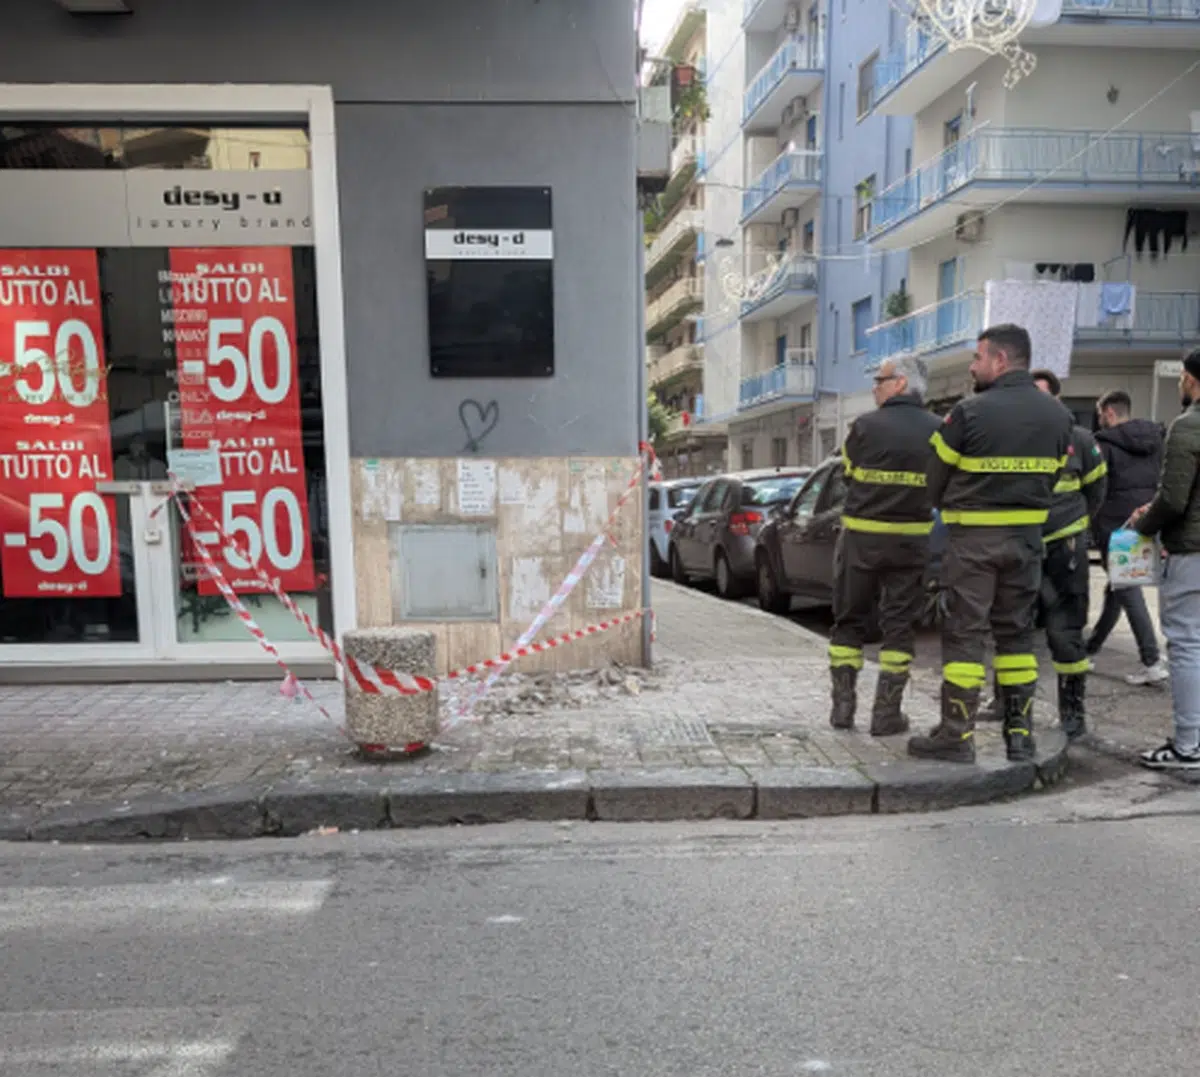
[
  {"x": 543, "y": 513},
  {"x": 392, "y": 724}
]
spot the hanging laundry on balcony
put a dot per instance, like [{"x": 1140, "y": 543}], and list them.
[
  {"x": 1083, "y": 272},
  {"x": 1045, "y": 309},
  {"x": 1117, "y": 300},
  {"x": 1087, "y": 312},
  {"x": 1116, "y": 297},
  {"x": 1154, "y": 227}
]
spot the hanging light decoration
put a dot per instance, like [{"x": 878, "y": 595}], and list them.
[
  {"x": 992, "y": 26},
  {"x": 738, "y": 287}
]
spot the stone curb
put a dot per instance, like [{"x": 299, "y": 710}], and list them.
[{"x": 388, "y": 799}]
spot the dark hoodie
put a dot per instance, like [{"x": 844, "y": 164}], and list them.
[{"x": 1133, "y": 452}]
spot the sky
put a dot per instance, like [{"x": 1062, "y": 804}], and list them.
[{"x": 658, "y": 16}]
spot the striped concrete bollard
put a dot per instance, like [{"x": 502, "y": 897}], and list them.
[{"x": 392, "y": 726}]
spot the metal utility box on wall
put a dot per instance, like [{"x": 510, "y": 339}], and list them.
[{"x": 444, "y": 572}]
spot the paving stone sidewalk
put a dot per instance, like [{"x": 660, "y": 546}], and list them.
[{"x": 734, "y": 694}]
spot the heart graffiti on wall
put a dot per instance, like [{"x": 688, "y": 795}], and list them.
[{"x": 478, "y": 421}]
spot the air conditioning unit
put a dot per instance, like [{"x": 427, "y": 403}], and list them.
[
  {"x": 791, "y": 21},
  {"x": 790, "y": 217},
  {"x": 800, "y": 106},
  {"x": 969, "y": 226}
]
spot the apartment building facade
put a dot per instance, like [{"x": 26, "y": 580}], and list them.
[
  {"x": 1066, "y": 202},
  {"x": 674, "y": 233},
  {"x": 780, "y": 222},
  {"x": 790, "y": 287}
]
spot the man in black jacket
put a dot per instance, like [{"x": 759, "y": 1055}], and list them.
[
  {"x": 879, "y": 565},
  {"x": 997, "y": 459},
  {"x": 1132, "y": 450}
]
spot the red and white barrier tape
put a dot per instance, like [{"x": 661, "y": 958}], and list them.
[
  {"x": 367, "y": 677},
  {"x": 648, "y": 463},
  {"x": 246, "y": 617},
  {"x": 370, "y": 679}
]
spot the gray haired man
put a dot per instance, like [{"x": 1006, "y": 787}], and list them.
[{"x": 879, "y": 564}]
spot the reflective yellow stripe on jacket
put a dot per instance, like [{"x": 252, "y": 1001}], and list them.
[
  {"x": 1041, "y": 465},
  {"x": 1070, "y": 484},
  {"x": 885, "y": 527},
  {"x": 1071, "y": 529},
  {"x": 996, "y": 517}
]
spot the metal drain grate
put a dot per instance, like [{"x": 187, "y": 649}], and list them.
[{"x": 664, "y": 732}]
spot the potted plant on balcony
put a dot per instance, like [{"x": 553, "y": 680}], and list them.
[
  {"x": 692, "y": 104},
  {"x": 898, "y": 304}
]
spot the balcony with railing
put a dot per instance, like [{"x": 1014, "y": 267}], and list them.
[
  {"x": 795, "y": 70},
  {"x": 789, "y": 181},
  {"x": 787, "y": 288},
  {"x": 671, "y": 363},
  {"x": 920, "y": 68},
  {"x": 670, "y": 307},
  {"x": 949, "y": 323},
  {"x": 792, "y": 381},
  {"x": 1159, "y": 319},
  {"x": 765, "y": 16},
  {"x": 1035, "y": 166},
  {"x": 679, "y": 232}
]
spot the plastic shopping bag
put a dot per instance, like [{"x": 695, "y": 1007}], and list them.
[{"x": 1133, "y": 560}]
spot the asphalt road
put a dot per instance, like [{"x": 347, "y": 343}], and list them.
[{"x": 1049, "y": 936}]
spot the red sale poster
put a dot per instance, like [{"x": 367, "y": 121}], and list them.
[
  {"x": 58, "y": 536},
  {"x": 235, "y": 345}
]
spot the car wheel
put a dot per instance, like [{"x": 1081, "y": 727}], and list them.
[
  {"x": 728, "y": 585},
  {"x": 677, "y": 573},
  {"x": 658, "y": 567},
  {"x": 769, "y": 598}
]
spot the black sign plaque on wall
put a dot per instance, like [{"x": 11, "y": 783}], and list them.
[{"x": 489, "y": 267}]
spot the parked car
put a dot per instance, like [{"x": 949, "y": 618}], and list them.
[
  {"x": 713, "y": 538},
  {"x": 793, "y": 555},
  {"x": 666, "y": 498}
]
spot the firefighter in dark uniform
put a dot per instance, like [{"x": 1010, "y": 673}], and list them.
[
  {"x": 997, "y": 458},
  {"x": 1078, "y": 496},
  {"x": 881, "y": 553}
]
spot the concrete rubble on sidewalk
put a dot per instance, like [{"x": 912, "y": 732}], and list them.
[{"x": 730, "y": 722}]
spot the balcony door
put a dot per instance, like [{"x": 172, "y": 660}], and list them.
[
  {"x": 952, "y": 160},
  {"x": 947, "y": 289}
]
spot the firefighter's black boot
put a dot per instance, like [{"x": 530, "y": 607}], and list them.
[
  {"x": 993, "y": 709},
  {"x": 844, "y": 697},
  {"x": 887, "y": 719},
  {"x": 1018, "y": 721},
  {"x": 954, "y": 738},
  {"x": 1071, "y": 692}
]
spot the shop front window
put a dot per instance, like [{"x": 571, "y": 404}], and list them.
[{"x": 191, "y": 349}]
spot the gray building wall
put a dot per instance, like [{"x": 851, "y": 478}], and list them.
[{"x": 458, "y": 92}]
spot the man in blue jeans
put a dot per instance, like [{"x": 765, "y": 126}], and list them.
[
  {"x": 1174, "y": 515},
  {"x": 1132, "y": 451}
]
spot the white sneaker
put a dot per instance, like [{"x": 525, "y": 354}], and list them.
[{"x": 1154, "y": 674}]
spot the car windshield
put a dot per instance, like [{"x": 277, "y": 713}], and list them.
[
  {"x": 681, "y": 496},
  {"x": 771, "y": 491}
]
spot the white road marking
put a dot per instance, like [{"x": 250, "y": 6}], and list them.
[
  {"x": 150, "y": 1043},
  {"x": 150, "y": 905}
]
